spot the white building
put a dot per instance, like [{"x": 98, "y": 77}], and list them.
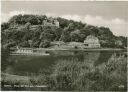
[
  {"x": 75, "y": 44},
  {"x": 22, "y": 50},
  {"x": 119, "y": 43},
  {"x": 92, "y": 42},
  {"x": 58, "y": 43}
]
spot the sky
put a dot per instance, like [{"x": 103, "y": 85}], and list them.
[{"x": 109, "y": 14}]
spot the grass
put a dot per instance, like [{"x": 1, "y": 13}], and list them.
[
  {"x": 80, "y": 76},
  {"x": 83, "y": 76},
  {"x": 15, "y": 81}
]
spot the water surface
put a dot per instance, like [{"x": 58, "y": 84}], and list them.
[{"x": 25, "y": 65}]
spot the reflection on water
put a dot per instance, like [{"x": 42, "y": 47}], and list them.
[
  {"x": 104, "y": 56},
  {"x": 23, "y": 65},
  {"x": 9, "y": 69}
]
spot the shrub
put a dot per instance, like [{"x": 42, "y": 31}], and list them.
[
  {"x": 44, "y": 44},
  {"x": 75, "y": 75},
  {"x": 70, "y": 75}
]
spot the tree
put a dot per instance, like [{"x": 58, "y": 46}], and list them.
[
  {"x": 63, "y": 22},
  {"x": 33, "y": 19},
  {"x": 75, "y": 36},
  {"x": 24, "y": 44},
  {"x": 57, "y": 32},
  {"x": 5, "y": 53},
  {"x": 21, "y": 28},
  {"x": 44, "y": 44},
  {"x": 47, "y": 34},
  {"x": 65, "y": 36},
  {"x": 4, "y": 26}
]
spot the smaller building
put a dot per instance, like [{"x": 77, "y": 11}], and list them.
[
  {"x": 119, "y": 43},
  {"x": 33, "y": 27},
  {"x": 58, "y": 43},
  {"x": 23, "y": 50},
  {"x": 56, "y": 23},
  {"x": 30, "y": 51},
  {"x": 51, "y": 23},
  {"x": 76, "y": 44},
  {"x": 91, "y": 42}
]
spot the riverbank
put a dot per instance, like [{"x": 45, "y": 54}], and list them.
[
  {"x": 13, "y": 82},
  {"x": 98, "y": 49},
  {"x": 75, "y": 75},
  {"x": 86, "y": 49},
  {"x": 11, "y": 77},
  {"x": 46, "y": 51}
]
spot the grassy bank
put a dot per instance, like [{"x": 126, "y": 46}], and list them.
[
  {"x": 16, "y": 82},
  {"x": 85, "y": 49},
  {"x": 76, "y": 75}
]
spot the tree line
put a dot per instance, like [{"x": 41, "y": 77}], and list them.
[{"x": 28, "y": 31}]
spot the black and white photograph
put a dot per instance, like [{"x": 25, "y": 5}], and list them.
[{"x": 64, "y": 45}]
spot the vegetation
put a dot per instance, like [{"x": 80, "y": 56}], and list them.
[
  {"x": 82, "y": 76},
  {"x": 5, "y": 53},
  {"x": 74, "y": 75},
  {"x": 15, "y": 82},
  {"x": 28, "y": 31}
]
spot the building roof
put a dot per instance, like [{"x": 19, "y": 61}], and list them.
[
  {"x": 91, "y": 39},
  {"x": 75, "y": 43},
  {"x": 57, "y": 42}
]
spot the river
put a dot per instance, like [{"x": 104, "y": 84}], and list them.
[{"x": 26, "y": 64}]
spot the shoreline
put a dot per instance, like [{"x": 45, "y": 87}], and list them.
[
  {"x": 47, "y": 51},
  {"x": 86, "y": 49},
  {"x": 18, "y": 81}
]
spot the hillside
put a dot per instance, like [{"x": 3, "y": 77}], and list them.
[{"x": 39, "y": 30}]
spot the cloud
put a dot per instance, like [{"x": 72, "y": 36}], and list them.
[
  {"x": 18, "y": 12},
  {"x": 50, "y": 14},
  {"x": 5, "y": 17},
  {"x": 73, "y": 17},
  {"x": 117, "y": 26}
]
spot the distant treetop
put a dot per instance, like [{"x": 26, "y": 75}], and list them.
[{"x": 41, "y": 30}]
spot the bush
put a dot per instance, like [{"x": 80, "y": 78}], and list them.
[
  {"x": 70, "y": 75},
  {"x": 44, "y": 44},
  {"x": 83, "y": 76},
  {"x": 75, "y": 75}
]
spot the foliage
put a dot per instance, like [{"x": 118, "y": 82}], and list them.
[
  {"x": 5, "y": 53},
  {"x": 83, "y": 76},
  {"x": 21, "y": 28},
  {"x": 4, "y": 26},
  {"x": 44, "y": 44},
  {"x": 69, "y": 75}
]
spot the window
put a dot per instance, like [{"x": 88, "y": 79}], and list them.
[{"x": 86, "y": 44}]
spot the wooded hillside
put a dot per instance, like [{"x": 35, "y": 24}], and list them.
[{"x": 29, "y": 31}]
